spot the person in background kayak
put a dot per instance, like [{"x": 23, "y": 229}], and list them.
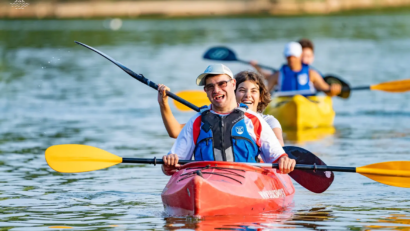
[
  {"x": 308, "y": 53},
  {"x": 296, "y": 76},
  {"x": 250, "y": 90},
  {"x": 224, "y": 130}
]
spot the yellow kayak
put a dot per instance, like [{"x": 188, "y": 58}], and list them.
[{"x": 299, "y": 112}]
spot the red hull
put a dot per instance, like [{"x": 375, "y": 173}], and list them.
[{"x": 226, "y": 188}]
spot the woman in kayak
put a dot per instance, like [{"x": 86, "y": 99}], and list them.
[
  {"x": 250, "y": 90},
  {"x": 308, "y": 53}
]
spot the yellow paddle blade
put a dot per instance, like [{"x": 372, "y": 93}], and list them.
[
  {"x": 71, "y": 158},
  {"x": 394, "y": 173},
  {"x": 393, "y": 86},
  {"x": 198, "y": 98}
]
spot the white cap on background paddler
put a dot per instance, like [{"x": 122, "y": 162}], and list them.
[
  {"x": 213, "y": 69},
  {"x": 292, "y": 49}
]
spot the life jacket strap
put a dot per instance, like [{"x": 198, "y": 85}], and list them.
[{"x": 203, "y": 109}]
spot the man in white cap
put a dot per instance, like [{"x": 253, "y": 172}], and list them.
[
  {"x": 296, "y": 76},
  {"x": 224, "y": 130}
]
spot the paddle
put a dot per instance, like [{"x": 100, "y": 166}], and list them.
[
  {"x": 394, "y": 86},
  {"x": 73, "y": 158},
  {"x": 198, "y": 98},
  {"x": 141, "y": 77},
  {"x": 226, "y": 54},
  {"x": 314, "y": 181}
]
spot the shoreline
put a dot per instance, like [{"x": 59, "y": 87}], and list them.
[{"x": 199, "y": 9}]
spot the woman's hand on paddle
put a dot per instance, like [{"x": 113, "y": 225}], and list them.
[
  {"x": 254, "y": 63},
  {"x": 162, "y": 94},
  {"x": 335, "y": 89},
  {"x": 286, "y": 165}
]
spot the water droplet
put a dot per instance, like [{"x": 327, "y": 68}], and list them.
[{"x": 116, "y": 24}]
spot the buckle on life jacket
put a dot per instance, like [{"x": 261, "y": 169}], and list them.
[
  {"x": 203, "y": 109},
  {"x": 243, "y": 105}
]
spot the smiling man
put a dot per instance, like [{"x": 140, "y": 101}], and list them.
[{"x": 224, "y": 130}]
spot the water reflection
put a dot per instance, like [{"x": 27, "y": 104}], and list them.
[
  {"x": 308, "y": 135},
  {"x": 282, "y": 220},
  {"x": 395, "y": 221},
  {"x": 254, "y": 223},
  {"x": 311, "y": 218}
]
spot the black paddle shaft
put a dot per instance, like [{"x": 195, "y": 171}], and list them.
[
  {"x": 320, "y": 168},
  {"x": 260, "y": 65},
  {"x": 360, "y": 88},
  {"x": 141, "y": 77},
  {"x": 153, "y": 161},
  {"x": 156, "y": 161},
  {"x": 221, "y": 53}
]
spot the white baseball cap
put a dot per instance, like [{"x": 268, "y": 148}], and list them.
[
  {"x": 293, "y": 49},
  {"x": 213, "y": 69}
]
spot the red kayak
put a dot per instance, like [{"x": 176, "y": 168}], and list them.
[{"x": 209, "y": 188}]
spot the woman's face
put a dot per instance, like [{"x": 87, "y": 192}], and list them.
[
  {"x": 307, "y": 56},
  {"x": 248, "y": 93}
]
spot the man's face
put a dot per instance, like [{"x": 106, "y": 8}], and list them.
[
  {"x": 220, "y": 90},
  {"x": 294, "y": 61},
  {"x": 307, "y": 56}
]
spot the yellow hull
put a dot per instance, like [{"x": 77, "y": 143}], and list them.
[{"x": 299, "y": 112}]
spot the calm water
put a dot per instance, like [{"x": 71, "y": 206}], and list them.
[{"x": 53, "y": 91}]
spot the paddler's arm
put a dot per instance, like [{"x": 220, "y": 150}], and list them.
[
  {"x": 321, "y": 85},
  {"x": 278, "y": 134},
  {"x": 271, "y": 149},
  {"x": 272, "y": 81},
  {"x": 182, "y": 149},
  {"x": 275, "y": 126},
  {"x": 171, "y": 124}
]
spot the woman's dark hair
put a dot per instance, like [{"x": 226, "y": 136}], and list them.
[
  {"x": 306, "y": 43},
  {"x": 257, "y": 78}
]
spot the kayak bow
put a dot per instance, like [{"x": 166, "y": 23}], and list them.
[{"x": 210, "y": 188}]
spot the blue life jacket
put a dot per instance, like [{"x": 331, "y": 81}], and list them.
[
  {"x": 225, "y": 138},
  {"x": 295, "y": 81}
]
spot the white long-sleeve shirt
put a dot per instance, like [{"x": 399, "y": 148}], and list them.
[
  {"x": 271, "y": 120},
  {"x": 269, "y": 146}
]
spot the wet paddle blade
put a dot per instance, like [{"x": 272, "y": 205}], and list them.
[
  {"x": 221, "y": 54},
  {"x": 394, "y": 173},
  {"x": 314, "y": 181},
  {"x": 198, "y": 98},
  {"x": 72, "y": 158},
  {"x": 393, "y": 86}
]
